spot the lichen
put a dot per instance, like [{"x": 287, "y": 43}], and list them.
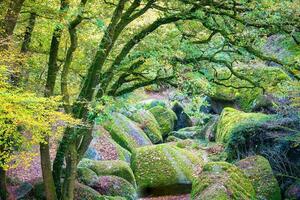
[
  {"x": 259, "y": 172},
  {"x": 164, "y": 165},
  {"x": 109, "y": 167},
  {"x": 220, "y": 181},
  {"x": 165, "y": 118}
]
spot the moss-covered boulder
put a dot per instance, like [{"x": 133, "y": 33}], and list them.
[
  {"x": 150, "y": 103},
  {"x": 233, "y": 123},
  {"x": 222, "y": 181},
  {"x": 149, "y": 125},
  {"x": 126, "y": 132},
  {"x": 114, "y": 186},
  {"x": 193, "y": 132},
  {"x": 163, "y": 166},
  {"x": 86, "y": 175},
  {"x": 165, "y": 117},
  {"x": 259, "y": 172},
  {"x": 110, "y": 167}
]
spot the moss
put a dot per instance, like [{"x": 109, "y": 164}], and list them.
[
  {"x": 123, "y": 154},
  {"x": 188, "y": 133},
  {"x": 148, "y": 104},
  {"x": 163, "y": 165},
  {"x": 165, "y": 117},
  {"x": 114, "y": 186},
  {"x": 109, "y": 167},
  {"x": 221, "y": 180},
  {"x": 259, "y": 171},
  {"x": 126, "y": 132},
  {"x": 86, "y": 175},
  {"x": 149, "y": 125}
]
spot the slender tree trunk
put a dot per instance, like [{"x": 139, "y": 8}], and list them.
[
  {"x": 3, "y": 188},
  {"x": 28, "y": 32},
  {"x": 70, "y": 174},
  {"x": 9, "y": 22},
  {"x": 47, "y": 172}
]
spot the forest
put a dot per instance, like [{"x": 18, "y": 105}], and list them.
[{"x": 150, "y": 99}]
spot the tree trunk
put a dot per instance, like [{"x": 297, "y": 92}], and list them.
[
  {"x": 47, "y": 172},
  {"x": 70, "y": 174},
  {"x": 3, "y": 188},
  {"x": 28, "y": 32},
  {"x": 9, "y": 22}
]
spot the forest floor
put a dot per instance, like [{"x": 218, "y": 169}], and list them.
[{"x": 33, "y": 172}]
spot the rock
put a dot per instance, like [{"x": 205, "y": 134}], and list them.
[
  {"x": 114, "y": 186},
  {"x": 149, "y": 125},
  {"x": 205, "y": 106},
  {"x": 109, "y": 168},
  {"x": 263, "y": 103},
  {"x": 187, "y": 133},
  {"x": 164, "y": 166},
  {"x": 93, "y": 154},
  {"x": 126, "y": 132},
  {"x": 172, "y": 139},
  {"x": 209, "y": 130},
  {"x": 165, "y": 118},
  {"x": 23, "y": 190},
  {"x": 232, "y": 123},
  {"x": 183, "y": 120},
  {"x": 221, "y": 180},
  {"x": 150, "y": 103},
  {"x": 293, "y": 192},
  {"x": 218, "y": 104},
  {"x": 86, "y": 175},
  {"x": 259, "y": 172}
]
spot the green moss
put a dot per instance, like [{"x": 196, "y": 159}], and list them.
[
  {"x": 221, "y": 180},
  {"x": 165, "y": 117},
  {"x": 114, "y": 186},
  {"x": 149, "y": 125},
  {"x": 86, "y": 175},
  {"x": 188, "y": 133},
  {"x": 126, "y": 132},
  {"x": 123, "y": 154},
  {"x": 232, "y": 122},
  {"x": 163, "y": 165},
  {"x": 259, "y": 171},
  {"x": 109, "y": 167}
]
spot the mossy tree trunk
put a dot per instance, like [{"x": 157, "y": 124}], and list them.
[
  {"x": 28, "y": 32},
  {"x": 3, "y": 187}
]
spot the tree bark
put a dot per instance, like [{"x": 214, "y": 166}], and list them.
[
  {"x": 3, "y": 188},
  {"x": 28, "y": 32},
  {"x": 47, "y": 172},
  {"x": 9, "y": 22}
]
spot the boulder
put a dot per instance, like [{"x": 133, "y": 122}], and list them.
[
  {"x": 93, "y": 154},
  {"x": 165, "y": 117},
  {"x": 293, "y": 191},
  {"x": 126, "y": 132},
  {"x": 233, "y": 124},
  {"x": 259, "y": 172},
  {"x": 205, "y": 106},
  {"x": 183, "y": 120},
  {"x": 221, "y": 180},
  {"x": 86, "y": 175},
  {"x": 150, "y": 103},
  {"x": 209, "y": 129},
  {"x": 164, "y": 166},
  {"x": 188, "y": 133},
  {"x": 149, "y": 125},
  {"x": 110, "y": 167},
  {"x": 114, "y": 186},
  {"x": 23, "y": 190}
]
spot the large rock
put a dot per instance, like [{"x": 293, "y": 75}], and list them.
[
  {"x": 233, "y": 124},
  {"x": 149, "y": 125},
  {"x": 114, "y": 186},
  {"x": 126, "y": 132},
  {"x": 150, "y": 103},
  {"x": 260, "y": 173},
  {"x": 165, "y": 117},
  {"x": 188, "y": 133},
  {"x": 183, "y": 120},
  {"x": 110, "y": 167},
  {"x": 222, "y": 181},
  {"x": 164, "y": 166}
]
